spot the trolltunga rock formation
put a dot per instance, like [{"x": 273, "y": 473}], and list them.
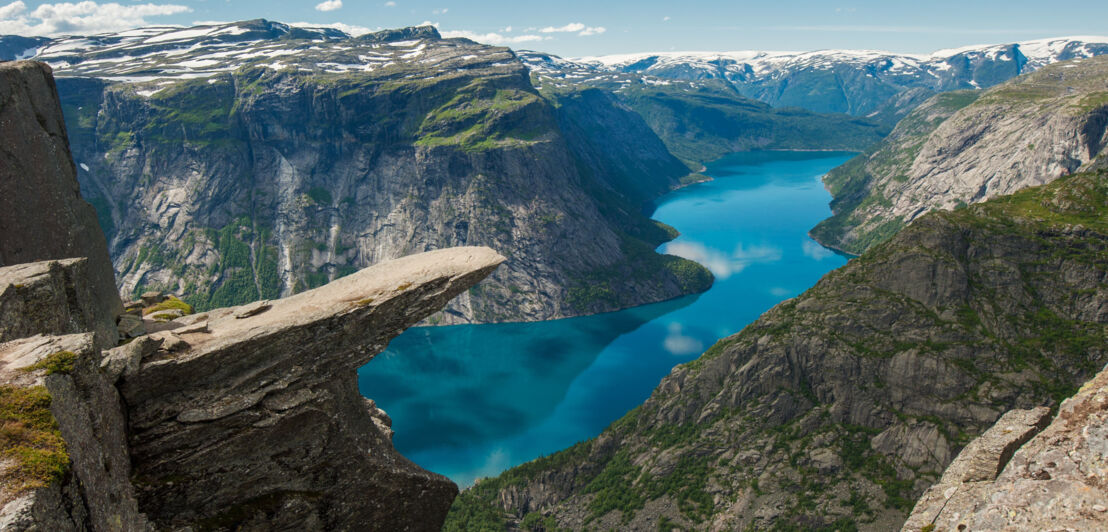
[{"x": 245, "y": 418}]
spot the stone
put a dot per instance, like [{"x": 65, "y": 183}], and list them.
[
  {"x": 267, "y": 408},
  {"x": 50, "y": 297},
  {"x": 252, "y": 309},
  {"x": 1056, "y": 477},
  {"x": 131, "y": 326},
  {"x": 98, "y": 495},
  {"x": 41, "y": 211},
  {"x": 125, "y": 359},
  {"x": 152, "y": 298}
]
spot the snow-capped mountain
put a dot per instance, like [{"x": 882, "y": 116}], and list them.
[
  {"x": 859, "y": 82},
  {"x": 164, "y": 53}
]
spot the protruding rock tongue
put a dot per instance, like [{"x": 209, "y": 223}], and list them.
[{"x": 262, "y": 407}]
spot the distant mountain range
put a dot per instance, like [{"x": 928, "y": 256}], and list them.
[{"x": 858, "y": 82}]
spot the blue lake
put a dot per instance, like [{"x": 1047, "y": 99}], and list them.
[{"x": 470, "y": 401}]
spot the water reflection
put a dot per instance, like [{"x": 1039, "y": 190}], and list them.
[
  {"x": 454, "y": 386},
  {"x": 470, "y": 401}
]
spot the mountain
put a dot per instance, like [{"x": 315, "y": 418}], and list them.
[
  {"x": 16, "y": 47},
  {"x": 254, "y": 160},
  {"x": 702, "y": 120},
  {"x": 236, "y": 418},
  {"x": 837, "y": 409},
  {"x": 858, "y": 82},
  {"x": 964, "y": 147}
]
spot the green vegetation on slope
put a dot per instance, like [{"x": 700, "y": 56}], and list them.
[
  {"x": 856, "y": 184},
  {"x": 29, "y": 437},
  {"x": 1005, "y": 316},
  {"x": 703, "y": 124}
]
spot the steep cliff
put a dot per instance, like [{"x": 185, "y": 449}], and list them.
[
  {"x": 42, "y": 215},
  {"x": 245, "y": 418},
  {"x": 961, "y": 148},
  {"x": 836, "y": 409},
  {"x": 1028, "y": 472},
  {"x": 267, "y": 160}
]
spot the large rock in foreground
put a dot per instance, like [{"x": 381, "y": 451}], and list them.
[
  {"x": 241, "y": 418},
  {"x": 1056, "y": 481},
  {"x": 42, "y": 215},
  {"x": 251, "y": 415}
]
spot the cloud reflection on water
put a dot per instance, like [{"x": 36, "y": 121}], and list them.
[
  {"x": 677, "y": 343},
  {"x": 721, "y": 264}
]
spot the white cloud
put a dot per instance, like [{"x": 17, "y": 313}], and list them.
[
  {"x": 575, "y": 27},
  {"x": 440, "y": 11},
  {"x": 721, "y": 264},
  {"x": 679, "y": 344},
  {"x": 568, "y": 28},
  {"x": 329, "y": 5},
  {"x": 82, "y": 18},
  {"x": 665, "y": 18},
  {"x": 390, "y": 3},
  {"x": 492, "y": 38},
  {"x": 350, "y": 29},
  {"x": 507, "y": 29},
  {"x": 12, "y": 10}
]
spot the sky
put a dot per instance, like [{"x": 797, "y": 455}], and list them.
[{"x": 576, "y": 28}]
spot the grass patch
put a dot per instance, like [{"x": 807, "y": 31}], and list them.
[
  {"x": 29, "y": 435},
  {"x": 60, "y": 362},
  {"x": 171, "y": 303}
]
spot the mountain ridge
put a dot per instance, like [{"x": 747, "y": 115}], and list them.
[{"x": 252, "y": 160}]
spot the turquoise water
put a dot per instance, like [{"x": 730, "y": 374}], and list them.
[{"x": 470, "y": 401}]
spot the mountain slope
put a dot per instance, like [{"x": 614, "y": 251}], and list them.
[
  {"x": 962, "y": 148},
  {"x": 253, "y": 160},
  {"x": 836, "y": 409},
  {"x": 858, "y": 82},
  {"x": 702, "y": 120}
]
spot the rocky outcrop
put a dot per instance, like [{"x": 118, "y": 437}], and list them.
[
  {"x": 837, "y": 409},
  {"x": 962, "y": 148},
  {"x": 42, "y": 215},
  {"x": 256, "y": 179},
  {"x": 245, "y": 418},
  {"x": 252, "y": 415},
  {"x": 1025, "y": 474}
]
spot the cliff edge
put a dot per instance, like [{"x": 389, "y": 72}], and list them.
[
  {"x": 1028, "y": 472},
  {"x": 247, "y": 417}
]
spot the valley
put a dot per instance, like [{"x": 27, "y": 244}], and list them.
[
  {"x": 469, "y": 401},
  {"x": 432, "y": 279}
]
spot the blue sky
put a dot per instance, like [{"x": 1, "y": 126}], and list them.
[{"x": 577, "y": 27}]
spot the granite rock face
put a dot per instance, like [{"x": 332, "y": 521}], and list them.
[
  {"x": 242, "y": 178},
  {"x": 245, "y": 418},
  {"x": 239, "y": 417},
  {"x": 42, "y": 215},
  {"x": 1048, "y": 477},
  {"x": 255, "y": 418},
  {"x": 963, "y": 148}
]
